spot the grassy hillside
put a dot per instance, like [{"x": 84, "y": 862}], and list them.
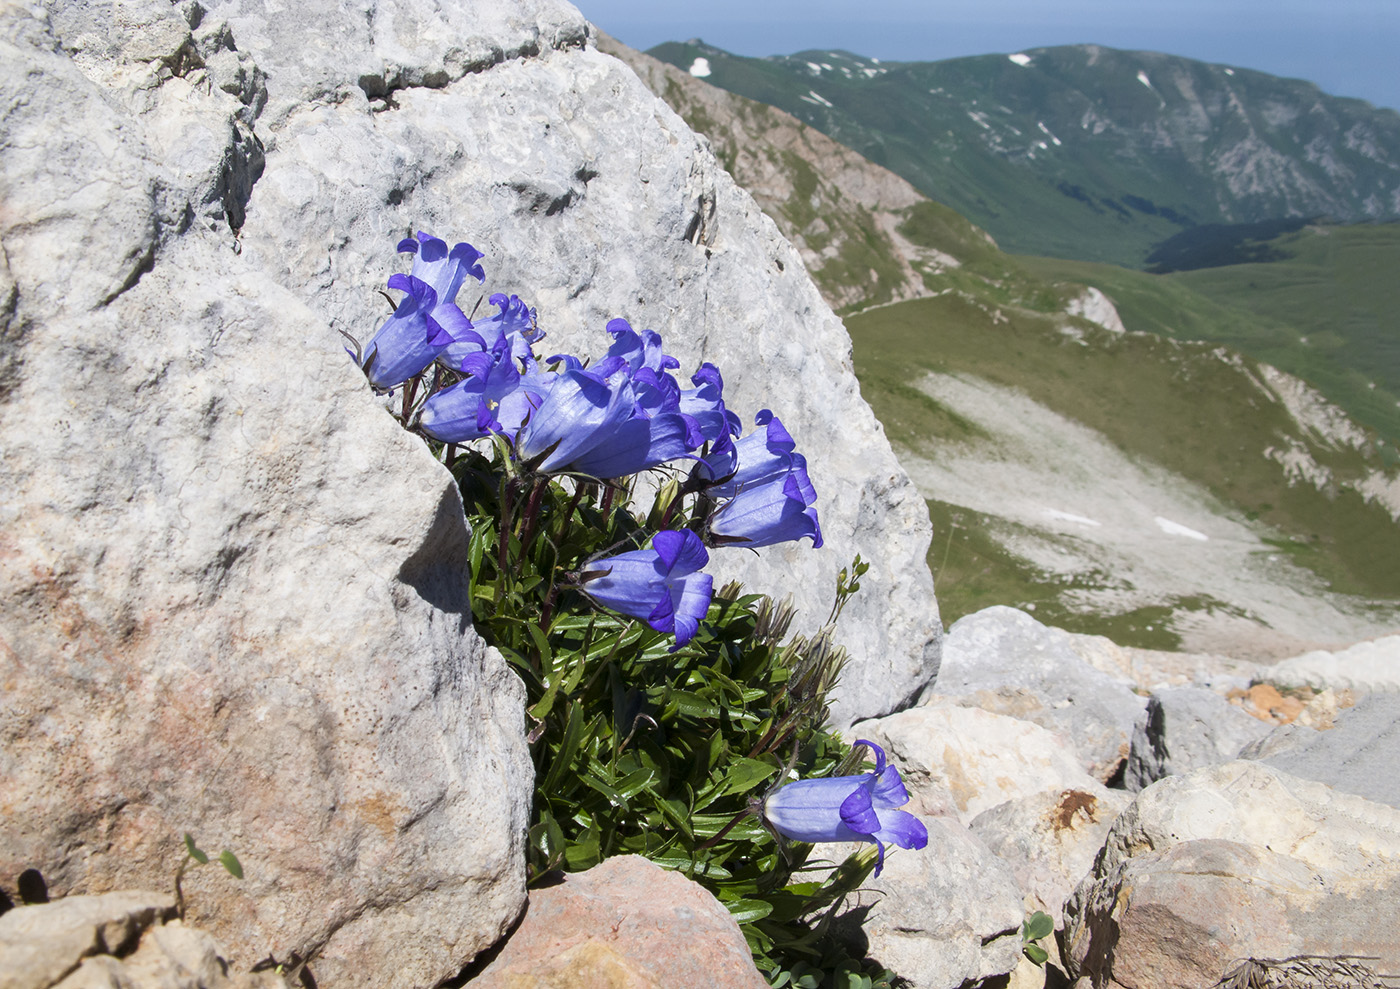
[
  {"x": 1187, "y": 407},
  {"x": 1083, "y": 151},
  {"x": 1326, "y": 308}
]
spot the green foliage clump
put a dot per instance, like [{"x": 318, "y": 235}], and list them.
[{"x": 639, "y": 749}]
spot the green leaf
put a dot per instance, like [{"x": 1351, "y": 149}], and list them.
[
  {"x": 230, "y": 862},
  {"x": 194, "y": 851},
  {"x": 1038, "y": 925},
  {"x": 1036, "y": 953},
  {"x": 568, "y": 749},
  {"x": 747, "y": 911},
  {"x": 745, "y": 774}
]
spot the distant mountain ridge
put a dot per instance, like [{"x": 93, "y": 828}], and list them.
[{"x": 1083, "y": 151}]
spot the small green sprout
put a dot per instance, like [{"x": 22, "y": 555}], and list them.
[
  {"x": 200, "y": 857},
  {"x": 1037, "y": 926}
]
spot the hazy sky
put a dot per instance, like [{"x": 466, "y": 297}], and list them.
[{"x": 1348, "y": 47}]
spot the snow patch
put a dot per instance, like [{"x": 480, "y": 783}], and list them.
[
  {"x": 1046, "y": 131},
  {"x": 1229, "y": 72},
  {"x": 1177, "y": 529},
  {"x": 700, "y": 68},
  {"x": 814, "y": 68},
  {"x": 814, "y": 97},
  {"x": 1070, "y": 517},
  {"x": 1142, "y": 78},
  {"x": 1020, "y": 58}
]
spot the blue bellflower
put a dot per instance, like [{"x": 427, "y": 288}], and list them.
[
  {"x": 848, "y": 808},
  {"x": 771, "y": 498},
  {"x": 428, "y": 320},
  {"x": 661, "y": 585}
]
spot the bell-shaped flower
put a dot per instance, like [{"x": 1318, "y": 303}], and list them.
[
  {"x": 428, "y": 320},
  {"x": 705, "y": 404},
  {"x": 409, "y": 340},
  {"x": 662, "y": 585},
  {"x": 582, "y": 410},
  {"x": 639, "y": 349},
  {"x": 495, "y": 398},
  {"x": 848, "y": 808},
  {"x": 770, "y": 497},
  {"x": 515, "y": 323}
]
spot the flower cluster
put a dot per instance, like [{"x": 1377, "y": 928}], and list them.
[{"x": 597, "y": 422}]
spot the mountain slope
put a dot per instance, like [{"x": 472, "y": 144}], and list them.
[{"x": 1083, "y": 151}]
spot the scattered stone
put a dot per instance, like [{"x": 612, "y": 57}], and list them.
[
  {"x": 1146, "y": 670},
  {"x": 941, "y": 918},
  {"x": 120, "y": 940},
  {"x": 1358, "y": 754},
  {"x": 963, "y": 761},
  {"x": 1049, "y": 839},
  {"x": 1187, "y": 728},
  {"x": 1232, "y": 862},
  {"x": 625, "y": 923},
  {"x": 1003, "y": 660}
]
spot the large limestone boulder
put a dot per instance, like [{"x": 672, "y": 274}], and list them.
[
  {"x": 503, "y": 125},
  {"x": 1002, "y": 660},
  {"x": 962, "y": 761},
  {"x": 232, "y": 599},
  {"x": 1233, "y": 862}
]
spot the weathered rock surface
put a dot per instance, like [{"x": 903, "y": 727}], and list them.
[
  {"x": 1003, "y": 660},
  {"x": 1372, "y": 665},
  {"x": 1358, "y": 754},
  {"x": 502, "y": 125},
  {"x": 1049, "y": 839},
  {"x": 963, "y": 761},
  {"x": 232, "y": 599},
  {"x": 122, "y": 940},
  {"x": 624, "y": 923},
  {"x": 1187, "y": 728},
  {"x": 1233, "y": 862},
  {"x": 941, "y": 917}
]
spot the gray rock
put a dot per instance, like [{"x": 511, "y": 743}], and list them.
[
  {"x": 942, "y": 917},
  {"x": 1370, "y": 666},
  {"x": 1049, "y": 839},
  {"x": 501, "y": 125},
  {"x": 1003, "y": 660},
  {"x": 232, "y": 600},
  {"x": 1187, "y": 728},
  {"x": 1232, "y": 862},
  {"x": 1359, "y": 754}
]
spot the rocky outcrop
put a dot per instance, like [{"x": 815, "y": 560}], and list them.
[
  {"x": 592, "y": 200},
  {"x": 233, "y": 598},
  {"x": 1235, "y": 862},
  {"x": 1187, "y": 728},
  {"x": 1003, "y": 660},
  {"x": 625, "y": 923}
]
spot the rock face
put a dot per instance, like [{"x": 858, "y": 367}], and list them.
[
  {"x": 1049, "y": 839},
  {"x": 1187, "y": 728},
  {"x": 232, "y": 600},
  {"x": 1232, "y": 862},
  {"x": 624, "y": 923},
  {"x": 1003, "y": 660},
  {"x": 74, "y": 943},
  {"x": 939, "y": 920},
  {"x": 502, "y": 125},
  {"x": 964, "y": 761},
  {"x": 1358, "y": 754}
]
